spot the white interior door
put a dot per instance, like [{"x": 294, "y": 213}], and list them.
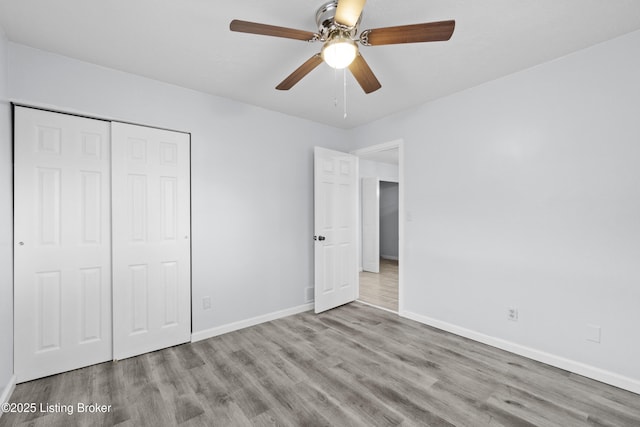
[
  {"x": 371, "y": 224},
  {"x": 62, "y": 265},
  {"x": 336, "y": 250},
  {"x": 151, "y": 239}
]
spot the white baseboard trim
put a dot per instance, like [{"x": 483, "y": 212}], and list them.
[
  {"x": 219, "y": 330},
  {"x": 8, "y": 391},
  {"x": 391, "y": 257},
  {"x": 579, "y": 368}
]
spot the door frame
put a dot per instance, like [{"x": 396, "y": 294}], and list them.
[{"x": 399, "y": 144}]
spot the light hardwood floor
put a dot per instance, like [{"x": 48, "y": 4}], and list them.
[
  {"x": 351, "y": 366},
  {"x": 381, "y": 289}
]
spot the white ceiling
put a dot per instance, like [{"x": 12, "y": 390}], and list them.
[{"x": 188, "y": 43}]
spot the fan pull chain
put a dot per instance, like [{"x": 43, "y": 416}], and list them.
[
  {"x": 335, "y": 94},
  {"x": 344, "y": 78},
  {"x": 344, "y": 92}
]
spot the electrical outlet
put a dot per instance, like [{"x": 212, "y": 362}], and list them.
[
  {"x": 512, "y": 314},
  {"x": 206, "y": 303},
  {"x": 594, "y": 333}
]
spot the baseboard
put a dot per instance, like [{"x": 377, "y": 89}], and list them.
[
  {"x": 390, "y": 257},
  {"x": 230, "y": 327},
  {"x": 8, "y": 391},
  {"x": 579, "y": 368}
]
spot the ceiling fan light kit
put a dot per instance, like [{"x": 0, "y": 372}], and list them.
[
  {"x": 338, "y": 26},
  {"x": 339, "y": 52}
]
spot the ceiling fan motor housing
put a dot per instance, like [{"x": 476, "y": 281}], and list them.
[{"x": 325, "y": 18}]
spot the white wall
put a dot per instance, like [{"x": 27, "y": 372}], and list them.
[
  {"x": 6, "y": 226},
  {"x": 252, "y": 174},
  {"x": 524, "y": 192}
]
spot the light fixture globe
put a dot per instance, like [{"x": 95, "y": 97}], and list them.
[{"x": 339, "y": 52}]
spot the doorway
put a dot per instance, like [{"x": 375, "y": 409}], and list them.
[{"x": 381, "y": 229}]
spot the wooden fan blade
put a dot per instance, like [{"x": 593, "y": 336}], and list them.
[
  {"x": 349, "y": 11},
  {"x": 270, "y": 30},
  {"x": 302, "y": 71},
  {"x": 363, "y": 74},
  {"x": 427, "y": 32}
]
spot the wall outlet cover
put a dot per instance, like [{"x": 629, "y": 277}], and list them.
[{"x": 594, "y": 333}]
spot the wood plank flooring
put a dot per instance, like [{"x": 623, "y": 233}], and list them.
[
  {"x": 381, "y": 289},
  {"x": 351, "y": 366}
]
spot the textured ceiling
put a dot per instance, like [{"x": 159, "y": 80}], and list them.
[{"x": 188, "y": 43}]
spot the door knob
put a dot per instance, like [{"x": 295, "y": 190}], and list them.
[{"x": 321, "y": 238}]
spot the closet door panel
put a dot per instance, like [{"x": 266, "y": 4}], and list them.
[
  {"x": 151, "y": 239},
  {"x": 62, "y": 265}
]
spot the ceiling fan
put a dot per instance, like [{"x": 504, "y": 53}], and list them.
[{"x": 338, "y": 23}]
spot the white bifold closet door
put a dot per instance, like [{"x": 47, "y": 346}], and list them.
[
  {"x": 62, "y": 254},
  {"x": 102, "y": 241},
  {"x": 151, "y": 239}
]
